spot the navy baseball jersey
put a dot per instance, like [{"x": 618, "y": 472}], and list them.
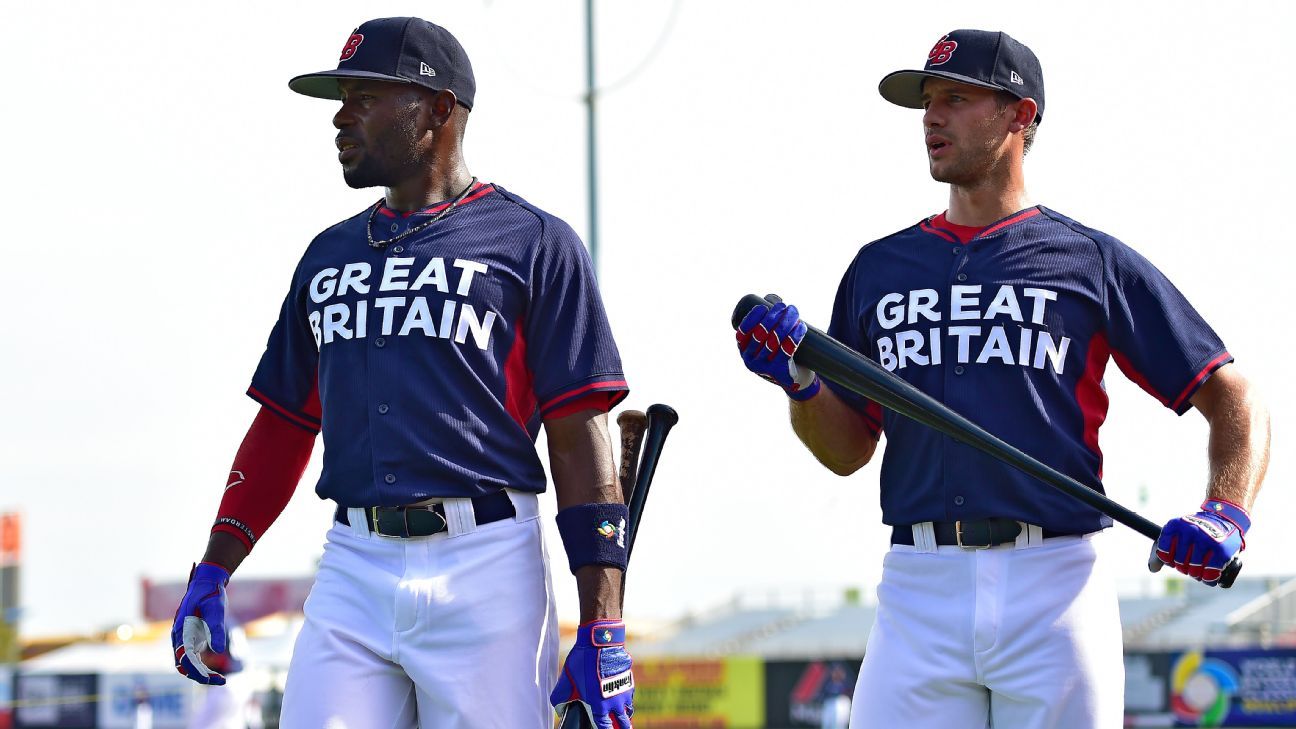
[
  {"x": 1013, "y": 329},
  {"x": 429, "y": 363}
]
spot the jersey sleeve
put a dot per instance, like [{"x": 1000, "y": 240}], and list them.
[
  {"x": 845, "y": 327},
  {"x": 286, "y": 380},
  {"x": 569, "y": 346},
  {"x": 1157, "y": 338}
]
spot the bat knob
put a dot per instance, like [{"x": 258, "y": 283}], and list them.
[
  {"x": 664, "y": 413},
  {"x": 1154, "y": 562},
  {"x": 1230, "y": 572}
]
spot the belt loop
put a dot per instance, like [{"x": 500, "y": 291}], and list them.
[
  {"x": 459, "y": 517},
  {"x": 526, "y": 505},
  {"x": 1030, "y": 536},
  {"x": 924, "y": 537},
  {"x": 359, "y": 529}
]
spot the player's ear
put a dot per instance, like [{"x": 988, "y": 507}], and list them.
[
  {"x": 438, "y": 107},
  {"x": 443, "y": 106},
  {"x": 1024, "y": 115}
]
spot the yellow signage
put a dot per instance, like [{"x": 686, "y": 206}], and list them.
[{"x": 724, "y": 693}]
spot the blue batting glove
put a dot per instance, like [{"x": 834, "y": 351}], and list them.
[
  {"x": 768, "y": 337},
  {"x": 597, "y": 676},
  {"x": 200, "y": 623},
  {"x": 1200, "y": 545}
]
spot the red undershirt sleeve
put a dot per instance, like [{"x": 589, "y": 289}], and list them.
[{"x": 266, "y": 470}]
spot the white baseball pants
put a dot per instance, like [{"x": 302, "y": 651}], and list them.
[
  {"x": 453, "y": 631},
  {"x": 1023, "y": 636}
]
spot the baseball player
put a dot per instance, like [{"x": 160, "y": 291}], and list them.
[
  {"x": 428, "y": 338},
  {"x": 993, "y": 609}
]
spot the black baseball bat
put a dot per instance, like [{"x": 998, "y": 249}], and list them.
[
  {"x": 661, "y": 418},
  {"x": 852, "y": 370}
]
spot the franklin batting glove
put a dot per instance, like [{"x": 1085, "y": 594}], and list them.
[
  {"x": 597, "y": 676},
  {"x": 768, "y": 337},
  {"x": 1201, "y": 544},
  {"x": 200, "y": 623}
]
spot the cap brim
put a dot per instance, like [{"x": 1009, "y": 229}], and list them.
[
  {"x": 324, "y": 85},
  {"x": 904, "y": 88}
]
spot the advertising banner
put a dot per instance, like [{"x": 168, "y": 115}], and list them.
[
  {"x": 809, "y": 693},
  {"x": 1234, "y": 688},
  {"x": 56, "y": 700},
  {"x": 1211, "y": 688},
  {"x": 125, "y": 698},
  {"x": 726, "y": 693}
]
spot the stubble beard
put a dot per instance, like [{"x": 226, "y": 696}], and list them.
[{"x": 390, "y": 158}]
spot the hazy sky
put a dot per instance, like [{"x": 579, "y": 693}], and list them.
[{"x": 161, "y": 182}]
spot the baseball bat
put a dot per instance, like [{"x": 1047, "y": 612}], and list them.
[
  {"x": 632, "y": 424},
  {"x": 859, "y": 374},
  {"x": 660, "y": 420}
]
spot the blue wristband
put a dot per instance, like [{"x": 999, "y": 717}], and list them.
[
  {"x": 594, "y": 534},
  {"x": 1230, "y": 511}
]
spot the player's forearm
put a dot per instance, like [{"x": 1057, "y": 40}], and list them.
[
  {"x": 838, "y": 436},
  {"x": 580, "y": 460},
  {"x": 581, "y": 466},
  {"x": 1239, "y": 440},
  {"x": 225, "y": 550},
  {"x": 599, "y": 591}
]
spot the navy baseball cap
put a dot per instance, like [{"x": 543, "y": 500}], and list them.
[
  {"x": 990, "y": 59},
  {"x": 399, "y": 50}
]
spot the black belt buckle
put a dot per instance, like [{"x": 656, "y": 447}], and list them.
[
  {"x": 958, "y": 537},
  {"x": 985, "y": 533},
  {"x": 385, "y": 518}
]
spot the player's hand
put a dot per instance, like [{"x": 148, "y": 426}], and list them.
[
  {"x": 767, "y": 338},
  {"x": 597, "y": 677},
  {"x": 1201, "y": 544},
  {"x": 200, "y": 623}
]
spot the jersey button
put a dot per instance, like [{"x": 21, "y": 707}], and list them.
[
  {"x": 961, "y": 277},
  {"x": 398, "y": 249},
  {"x": 956, "y": 250},
  {"x": 958, "y": 369},
  {"x": 390, "y": 478},
  {"x": 380, "y": 342},
  {"x": 382, "y": 409},
  {"x": 958, "y": 500},
  {"x": 395, "y": 227}
]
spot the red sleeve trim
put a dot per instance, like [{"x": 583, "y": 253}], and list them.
[
  {"x": 557, "y": 400},
  {"x": 1221, "y": 360},
  {"x": 301, "y": 420},
  {"x": 600, "y": 401},
  {"x": 873, "y": 414}
]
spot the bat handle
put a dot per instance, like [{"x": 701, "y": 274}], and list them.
[
  {"x": 1228, "y": 575},
  {"x": 575, "y": 717}
]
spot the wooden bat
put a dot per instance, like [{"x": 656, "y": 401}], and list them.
[
  {"x": 632, "y": 424},
  {"x": 659, "y": 421},
  {"x": 852, "y": 370}
]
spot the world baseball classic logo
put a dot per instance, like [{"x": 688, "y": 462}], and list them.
[{"x": 942, "y": 51}]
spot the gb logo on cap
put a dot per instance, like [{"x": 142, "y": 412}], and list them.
[
  {"x": 352, "y": 44},
  {"x": 942, "y": 51}
]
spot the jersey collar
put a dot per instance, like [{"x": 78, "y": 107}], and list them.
[
  {"x": 479, "y": 191},
  {"x": 963, "y": 234}
]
